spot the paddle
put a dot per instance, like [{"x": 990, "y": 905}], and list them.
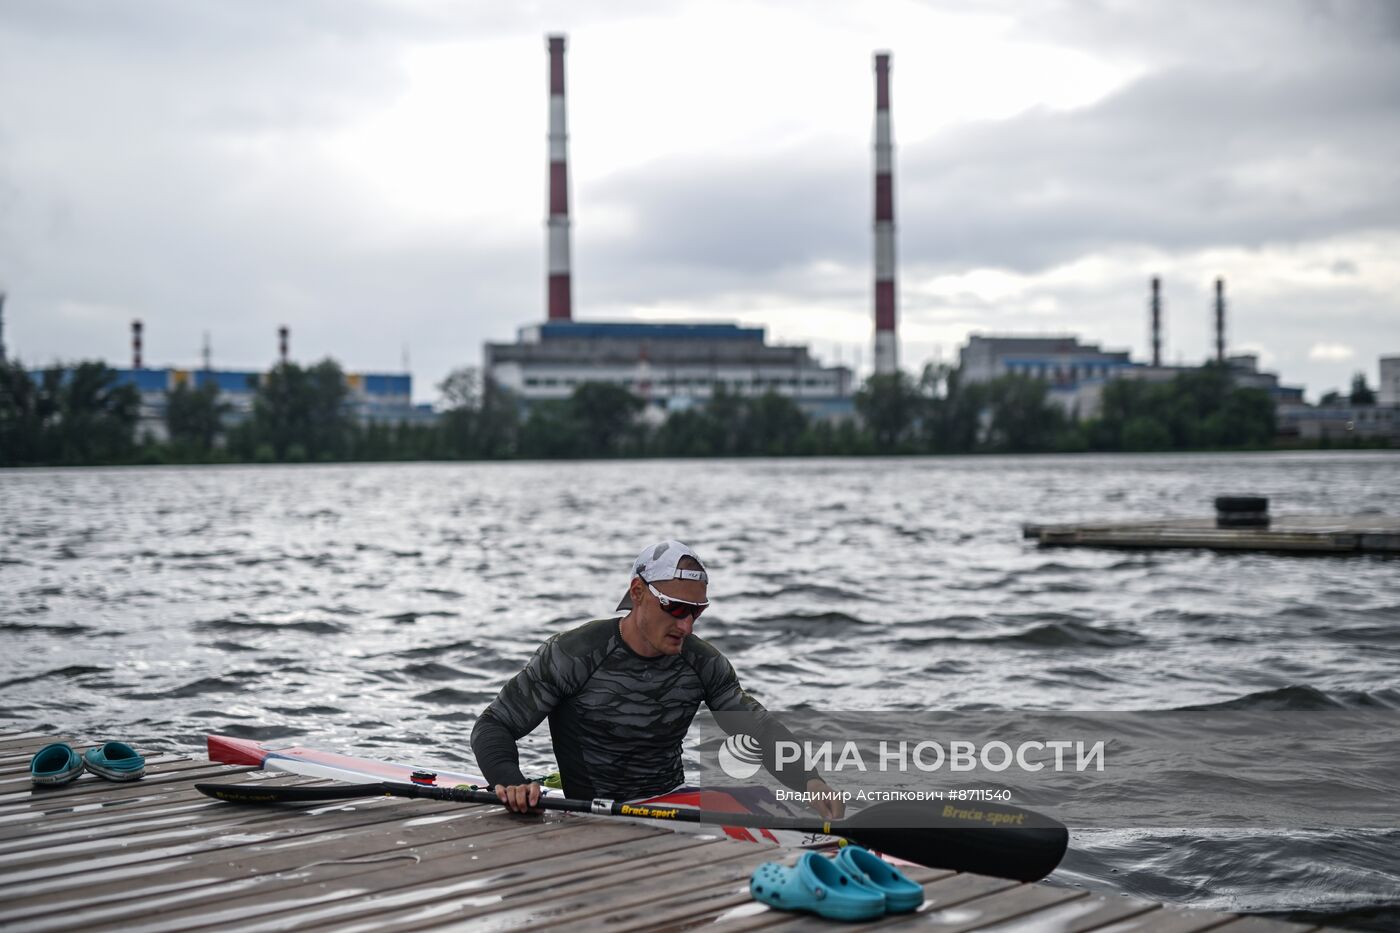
[{"x": 1004, "y": 842}]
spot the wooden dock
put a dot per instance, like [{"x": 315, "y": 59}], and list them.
[
  {"x": 155, "y": 855},
  {"x": 1296, "y": 534}
]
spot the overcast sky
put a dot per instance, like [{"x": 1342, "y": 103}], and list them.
[{"x": 372, "y": 174}]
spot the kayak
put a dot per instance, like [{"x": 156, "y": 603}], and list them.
[
  {"x": 998, "y": 840},
  {"x": 312, "y": 762}
]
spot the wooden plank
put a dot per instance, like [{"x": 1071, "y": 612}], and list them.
[
  {"x": 131, "y": 862},
  {"x": 1017, "y": 902},
  {"x": 26, "y": 739},
  {"x": 183, "y": 806},
  {"x": 414, "y": 885},
  {"x": 1168, "y": 920},
  {"x": 61, "y": 816},
  {"x": 26, "y": 746},
  {"x": 1082, "y": 914},
  {"x": 449, "y": 891},
  {"x": 369, "y": 837},
  {"x": 708, "y": 888},
  {"x": 556, "y": 895},
  {"x": 19, "y": 780},
  {"x": 1301, "y": 534},
  {"x": 93, "y": 789},
  {"x": 65, "y": 854},
  {"x": 344, "y": 876}
]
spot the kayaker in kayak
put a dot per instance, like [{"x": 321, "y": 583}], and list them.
[{"x": 620, "y": 695}]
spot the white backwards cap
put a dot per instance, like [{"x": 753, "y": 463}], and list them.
[{"x": 658, "y": 562}]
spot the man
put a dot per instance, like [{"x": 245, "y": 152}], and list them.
[{"x": 620, "y": 695}]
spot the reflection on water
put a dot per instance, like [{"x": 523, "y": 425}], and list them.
[{"x": 380, "y": 607}]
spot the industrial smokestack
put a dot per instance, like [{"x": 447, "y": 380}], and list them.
[
  {"x": 886, "y": 345},
  {"x": 1156, "y": 321},
  {"x": 136, "y": 344},
  {"x": 282, "y": 333},
  {"x": 2, "y": 327},
  {"x": 560, "y": 288},
  {"x": 1220, "y": 320}
]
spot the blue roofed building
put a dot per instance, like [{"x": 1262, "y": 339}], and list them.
[
  {"x": 384, "y": 397},
  {"x": 670, "y": 366},
  {"x": 1076, "y": 373}
]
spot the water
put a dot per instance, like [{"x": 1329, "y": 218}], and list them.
[{"x": 380, "y": 608}]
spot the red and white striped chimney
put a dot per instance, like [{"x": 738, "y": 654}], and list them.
[
  {"x": 886, "y": 344},
  {"x": 561, "y": 299}
]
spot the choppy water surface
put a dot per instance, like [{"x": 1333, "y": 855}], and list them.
[{"x": 380, "y": 608}]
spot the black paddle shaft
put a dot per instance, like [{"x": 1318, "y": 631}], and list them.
[{"x": 1005, "y": 842}]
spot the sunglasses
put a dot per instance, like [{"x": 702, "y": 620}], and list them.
[{"x": 677, "y": 608}]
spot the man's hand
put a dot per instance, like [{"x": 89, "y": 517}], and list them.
[
  {"x": 828, "y": 804},
  {"x": 519, "y": 798}
]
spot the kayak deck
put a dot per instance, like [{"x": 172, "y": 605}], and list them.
[{"x": 158, "y": 852}]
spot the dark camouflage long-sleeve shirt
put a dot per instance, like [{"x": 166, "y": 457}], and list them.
[{"x": 617, "y": 719}]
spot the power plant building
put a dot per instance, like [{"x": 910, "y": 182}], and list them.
[
  {"x": 668, "y": 366},
  {"x": 1075, "y": 374}
]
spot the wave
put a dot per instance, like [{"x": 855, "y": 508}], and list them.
[
  {"x": 814, "y": 623},
  {"x": 51, "y": 629},
  {"x": 1301, "y": 697},
  {"x": 451, "y": 696},
  {"x": 236, "y": 624},
  {"x": 811, "y": 590},
  {"x": 257, "y": 733},
  {"x": 444, "y": 593},
  {"x": 235, "y": 682},
  {"x": 408, "y": 618},
  {"x": 431, "y": 670},
  {"x": 61, "y": 673},
  {"x": 1058, "y": 634}
]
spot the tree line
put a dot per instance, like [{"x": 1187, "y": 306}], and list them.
[{"x": 81, "y": 415}]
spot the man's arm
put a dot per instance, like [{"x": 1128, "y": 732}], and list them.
[
  {"x": 523, "y": 703},
  {"x": 736, "y": 711}
]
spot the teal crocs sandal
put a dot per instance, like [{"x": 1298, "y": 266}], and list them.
[
  {"x": 55, "y": 764},
  {"x": 867, "y": 869},
  {"x": 817, "y": 886},
  {"x": 115, "y": 761}
]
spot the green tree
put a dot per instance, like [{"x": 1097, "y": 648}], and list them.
[
  {"x": 300, "y": 414},
  {"x": 953, "y": 420},
  {"x": 891, "y": 406},
  {"x": 1022, "y": 417},
  {"x": 773, "y": 424},
  {"x": 686, "y": 433},
  {"x": 550, "y": 432},
  {"x": 24, "y": 411},
  {"x": 481, "y": 420},
  {"x": 194, "y": 417},
  {"x": 96, "y": 417},
  {"x": 604, "y": 415},
  {"x": 1361, "y": 393}
]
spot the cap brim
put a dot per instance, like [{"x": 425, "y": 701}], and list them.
[{"x": 626, "y": 601}]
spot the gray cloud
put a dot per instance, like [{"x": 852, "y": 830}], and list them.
[
  {"x": 129, "y": 180},
  {"x": 1178, "y": 160}
]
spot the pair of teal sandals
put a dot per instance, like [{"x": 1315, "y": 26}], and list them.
[
  {"x": 855, "y": 885},
  {"x": 59, "y": 764}
]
